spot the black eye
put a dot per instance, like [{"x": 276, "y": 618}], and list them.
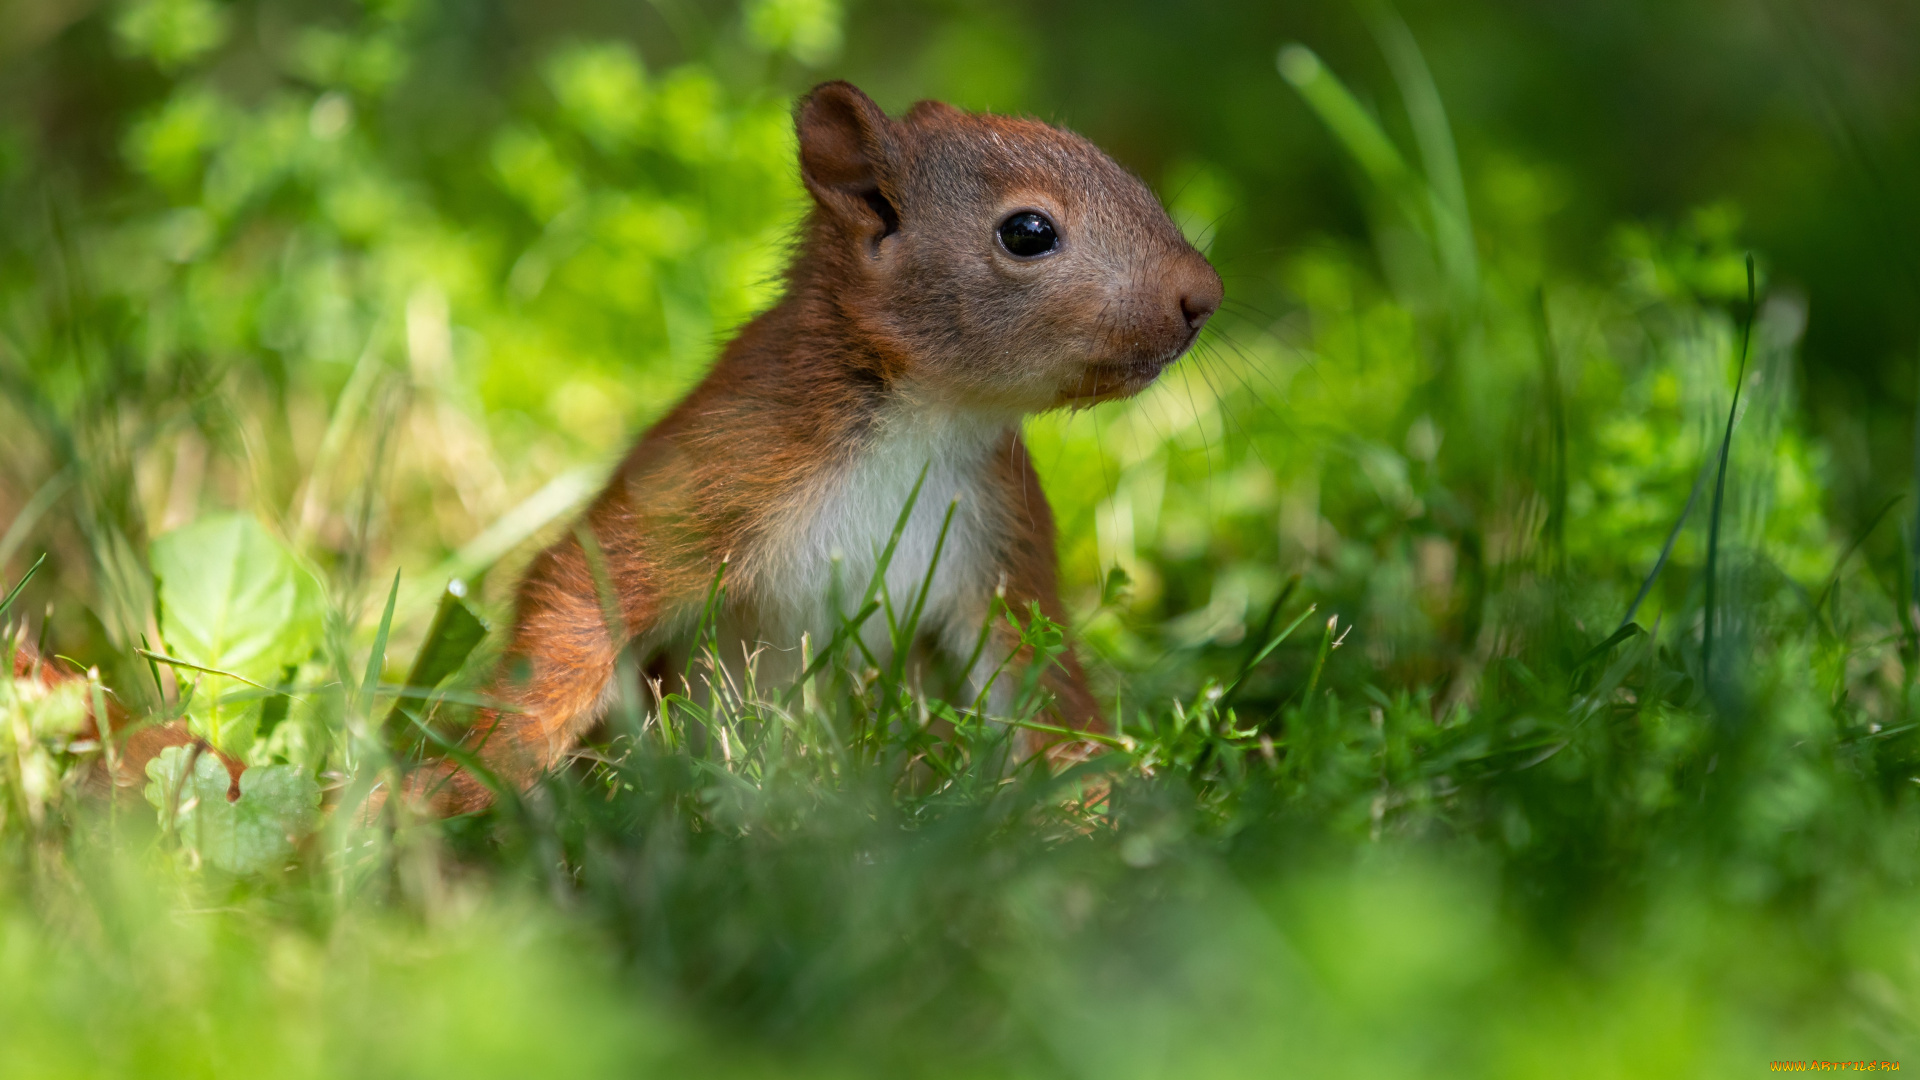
[{"x": 1027, "y": 234}]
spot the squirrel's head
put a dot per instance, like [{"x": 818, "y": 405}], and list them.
[{"x": 995, "y": 261}]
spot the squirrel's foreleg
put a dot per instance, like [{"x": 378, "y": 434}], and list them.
[
  {"x": 573, "y": 619},
  {"x": 1031, "y": 578}
]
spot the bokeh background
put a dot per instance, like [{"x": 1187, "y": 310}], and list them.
[{"x": 397, "y": 281}]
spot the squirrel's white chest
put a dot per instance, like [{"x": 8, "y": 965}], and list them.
[{"x": 830, "y": 548}]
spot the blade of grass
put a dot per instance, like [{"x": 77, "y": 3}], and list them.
[
  {"x": 370, "y": 685},
  {"x": 1859, "y": 540},
  {"x": 706, "y": 634},
  {"x": 30, "y": 514},
  {"x": 159, "y": 688},
  {"x": 904, "y": 634},
  {"x": 346, "y": 413},
  {"x": 926, "y": 583},
  {"x": 1901, "y": 589},
  {"x": 1612, "y": 639},
  {"x": 1557, "y": 432},
  {"x": 97, "y": 697},
  {"x": 995, "y": 607},
  {"x": 1232, "y": 691},
  {"x": 603, "y": 583},
  {"x": 1446, "y": 190},
  {"x": 849, "y": 627},
  {"x": 154, "y": 657},
  {"x": 1327, "y": 645},
  {"x": 1355, "y": 129},
  {"x": 1266, "y": 622},
  {"x": 14, "y": 594},
  {"x": 893, "y": 541},
  {"x": 1910, "y": 609},
  {"x": 1673, "y": 537},
  {"x": 1720, "y": 489},
  {"x": 558, "y": 497},
  {"x": 1077, "y": 734}
]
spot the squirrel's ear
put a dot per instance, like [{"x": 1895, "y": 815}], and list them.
[
  {"x": 848, "y": 156},
  {"x": 930, "y": 109}
]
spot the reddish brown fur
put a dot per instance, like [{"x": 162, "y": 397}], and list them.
[
  {"x": 134, "y": 745},
  {"x": 875, "y": 321}
]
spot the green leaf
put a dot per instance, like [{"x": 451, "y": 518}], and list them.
[
  {"x": 278, "y": 805},
  {"x": 234, "y": 598},
  {"x": 455, "y": 632},
  {"x": 451, "y": 638},
  {"x": 163, "y": 778}
]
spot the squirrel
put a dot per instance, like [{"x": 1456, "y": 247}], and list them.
[{"x": 957, "y": 272}]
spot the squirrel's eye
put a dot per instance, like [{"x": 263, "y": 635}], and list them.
[{"x": 1027, "y": 234}]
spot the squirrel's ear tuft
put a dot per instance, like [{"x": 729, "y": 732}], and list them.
[{"x": 848, "y": 157}]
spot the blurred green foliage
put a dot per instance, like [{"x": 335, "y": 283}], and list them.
[{"x": 1398, "y": 588}]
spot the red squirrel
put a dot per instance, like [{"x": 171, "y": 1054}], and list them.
[{"x": 957, "y": 272}]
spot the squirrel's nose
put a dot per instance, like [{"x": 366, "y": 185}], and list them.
[{"x": 1199, "y": 291}]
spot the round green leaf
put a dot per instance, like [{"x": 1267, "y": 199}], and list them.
[
  {"x": 278, "y": 805},
  {"x": 234, "y": 598}
]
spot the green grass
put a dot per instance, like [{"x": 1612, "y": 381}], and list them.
[{"x": 1404, "y": 592}]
